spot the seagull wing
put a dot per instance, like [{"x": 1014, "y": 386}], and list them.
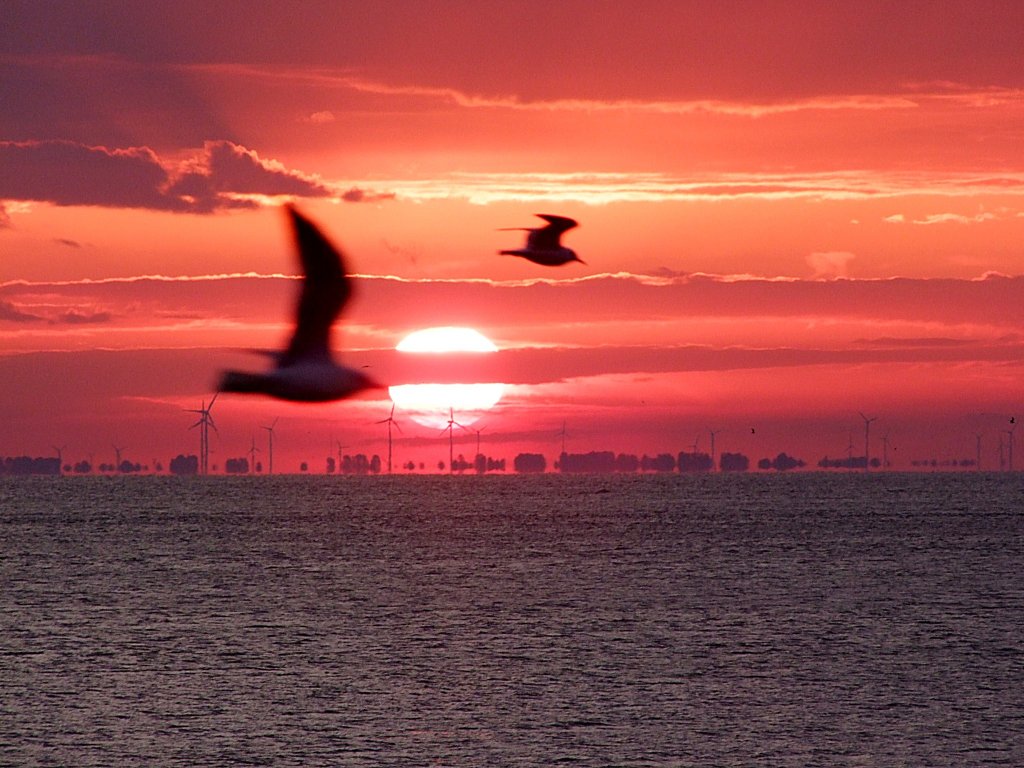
[
  {"x": 325, "y": 289},
  {"x": 547, "y": 238}
]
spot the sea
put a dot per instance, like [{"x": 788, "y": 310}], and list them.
[{"x": 805, "y": 619}]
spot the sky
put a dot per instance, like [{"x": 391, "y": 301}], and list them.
[{"x": 793, "y": 216}]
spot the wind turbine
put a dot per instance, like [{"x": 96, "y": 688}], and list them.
[
  {"x": 270, "y": 447},
  {"x": 253, "y": 450},
  {"x": 886, "y": 445},
  {"x": 478, "y": 431},
  {"x": 867, "y": 432},
  {"x": 562, "y": 433},
  {"x": 450, "y": 429},
  {"x": 1009, "y": 434},
  {"x": 977, "y": 451},
  {"x": 60, "y": 458},
  {"x": 117, "y": 454},
  {"x": 390, "y": 420},
  {"x": 204, "y": 424},
  {"x": 713, "y": 432}
]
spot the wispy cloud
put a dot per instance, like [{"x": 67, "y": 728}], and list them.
[
  {"x": 830, "y": 263},
  {"x": 75, "y": 317},
  {"x": 657, "y": 106},
  {"x": 946, "y": 218},
  {"x": 600, "y": 188},
  {"x": 912, "y": 95},
  {"x": 955, "y": 218}
]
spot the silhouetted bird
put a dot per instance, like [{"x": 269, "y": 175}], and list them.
[
  {"x": 306, "y": 371},
  {"x": 543, "y": 245}
]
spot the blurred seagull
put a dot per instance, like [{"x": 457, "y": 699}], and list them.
[
  {"x": 306, "y": 371},
  {"x": 543, "y": 245}
]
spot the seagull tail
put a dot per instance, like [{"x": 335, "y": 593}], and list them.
[{"x": 238, "y": 381}]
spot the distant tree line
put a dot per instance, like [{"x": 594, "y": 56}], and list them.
[{"x": 30, "y": 465}]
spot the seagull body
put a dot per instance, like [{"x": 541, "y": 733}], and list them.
[
  {"x": 543, "y": 244},
  {"x": 306, "y": 371}
]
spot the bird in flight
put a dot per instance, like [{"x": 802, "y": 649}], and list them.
[
  {"x": 306, "y": 370},
  {"x": 543, "y": 244}
]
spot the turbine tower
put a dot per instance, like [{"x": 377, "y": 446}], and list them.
[
  {"x": 867, "y": 432},
  {"x": 478, "y": 431},
  {"x": 713, "y": 432},
  {"x": 390, "y": 421},
  {"x": 60, "y": 458},
  {"x": 1009, "y": 434},
  {"x": 204, "y": 424},
  {"x": 117, "y": 460},
  {"x": 450, "y": 429},
  {"x": 253, "y": 450},
  {"x": 270, "y": 446},
  {"x": 886, "y": 445}
]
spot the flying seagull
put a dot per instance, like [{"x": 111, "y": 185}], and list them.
[
  {"x": 306, "y": 370},
  {"x": 543, "y": 245}
]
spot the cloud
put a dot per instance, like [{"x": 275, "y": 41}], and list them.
[
  {"x": 600, "y": 188},
  {"x": 321, "y": 118},
  {"x": 227, "y": 174},
  {"x": 889, "y": 341},
  {"x": 67, "y": 242},
  {"x": 830, "y": 263},
  {"x": 357, "y": 195},
  {"x": 11, "y": 313},
  {"x": 872, "y": 102},
  {"x": 74, "y": 317},
  {"x": 954, "y": 218},
  {"x": 944, "y": 218},
  {"x": 67, "y": 173},
  {"x": 220, "y": 175}
]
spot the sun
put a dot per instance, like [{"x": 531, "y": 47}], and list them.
[{"x": 431, "y": 404}]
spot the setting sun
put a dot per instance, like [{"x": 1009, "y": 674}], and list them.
[{"x": 431, "y": 404}]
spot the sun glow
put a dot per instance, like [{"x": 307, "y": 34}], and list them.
[
  {"x": 432, "y": 404},
  {"x": 446, "y": 339}
]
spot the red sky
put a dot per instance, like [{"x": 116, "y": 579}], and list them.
[{"x": 790, "y": 212}]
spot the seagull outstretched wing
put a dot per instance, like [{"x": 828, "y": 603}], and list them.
[
  {"x": 548, "y": 238},
  {"x": 325, "y": 289}
]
